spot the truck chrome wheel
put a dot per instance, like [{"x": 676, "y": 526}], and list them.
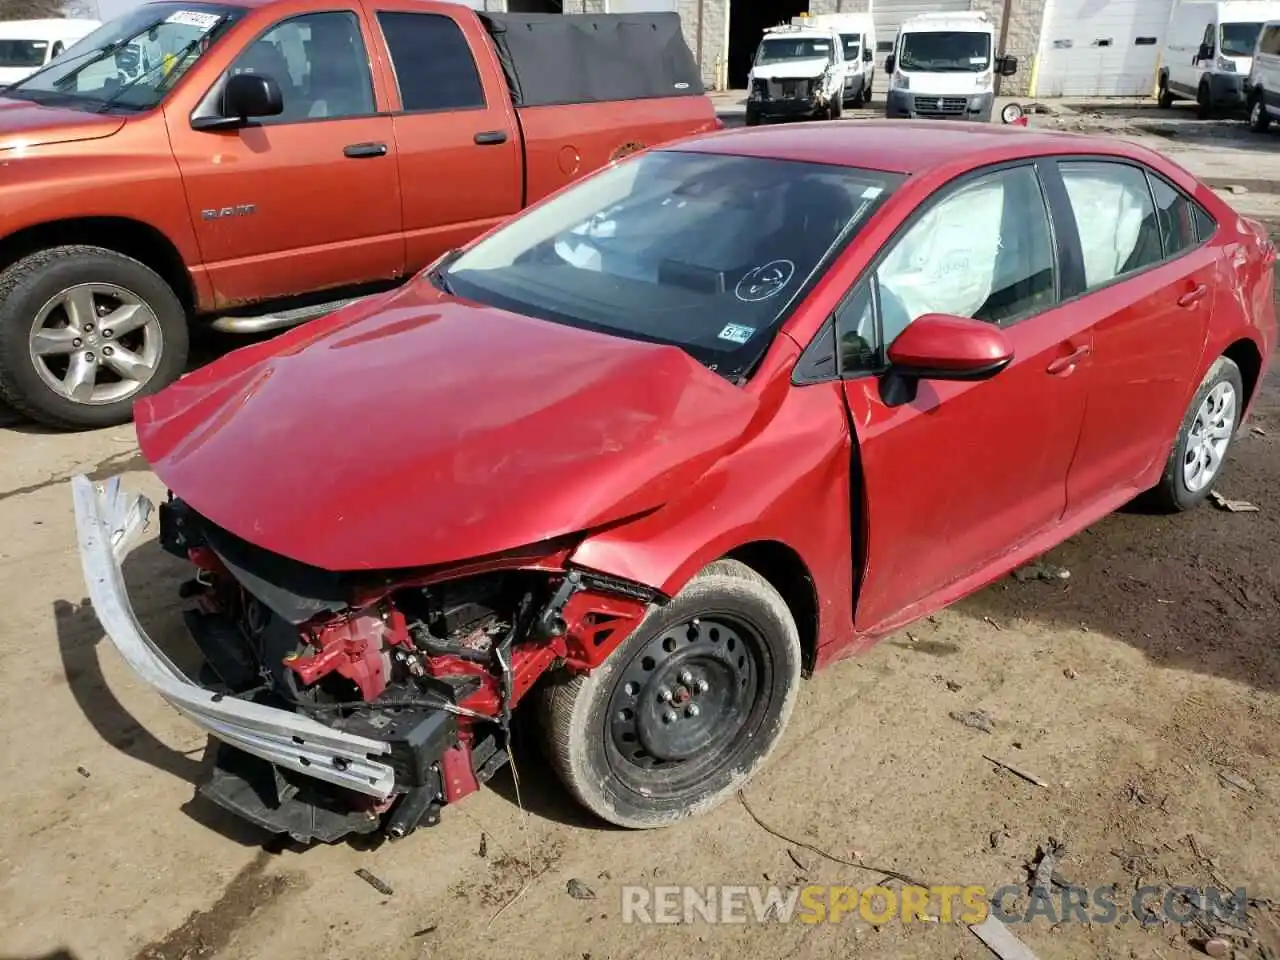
[
  {"x": 682, "y": 703},
  {"x": 96, "y": 343}
]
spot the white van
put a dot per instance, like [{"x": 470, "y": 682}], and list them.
[
  {"x": 798, "y": 73},
  {"x": 858, "y": 37},
  {"x": 944, "y": 66},
  {"x": 1262, "y": 89},
  {"x": 1208, "y": 51},
  {"x": 28, "y": 45}
]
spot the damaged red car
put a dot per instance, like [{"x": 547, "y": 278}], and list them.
[{"x": 647, "y": 454}]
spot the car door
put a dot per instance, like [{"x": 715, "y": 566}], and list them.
[
  {"x": 964, "y": 472},
  {"x": 1147, "y": 293},
  {"x": 306, "y": 200},
  {"x": 458, "y": 146}
]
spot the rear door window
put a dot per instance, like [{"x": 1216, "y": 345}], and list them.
[
  {"x": 434, "y": 67},
  {"x": 1119, "y": 230}
]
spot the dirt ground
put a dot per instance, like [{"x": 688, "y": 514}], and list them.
[{"x": 1144, "y": 691}]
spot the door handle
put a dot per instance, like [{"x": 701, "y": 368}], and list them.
[
  {"x": 1194, "y": 297},
  {"x": 1064, "y": 365},
  {"x": 359, "y": 151},
  {"x": 491, "y": 138}
]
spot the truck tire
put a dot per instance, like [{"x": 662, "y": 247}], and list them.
[
  {"x": 1259, "y": 119},
  {"x": 688, "y": 707},
  {"x": 1164, "y": 98},
  {"x": 1204, "y": 101},
  {"x": 753, "y": 118},
  {"x": 84, "y": 332}
]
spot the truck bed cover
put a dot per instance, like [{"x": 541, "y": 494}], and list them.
[{"x": 553, "y": 59}]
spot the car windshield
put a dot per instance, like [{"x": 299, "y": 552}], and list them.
[
  {"x": 852, "y": 45},
  {"x": 946, "y": 51},
  {"x": 781, "y": 49},
  {"x": 1239, "y": 39},
  {"x": 700, "y": 251},
  {"x": 23, "y": 53},
  {"x": 131, "y": 62}
]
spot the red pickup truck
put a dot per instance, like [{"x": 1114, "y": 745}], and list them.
[{"x": 253, "y": 164}]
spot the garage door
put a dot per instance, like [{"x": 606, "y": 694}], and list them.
[
  {"x": 889, "y": 14},
  {"x": 639, "y": 6},
  {"x": 1101, "y": 48}
]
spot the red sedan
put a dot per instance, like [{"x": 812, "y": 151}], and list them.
[{"x": 652, "y": 450}]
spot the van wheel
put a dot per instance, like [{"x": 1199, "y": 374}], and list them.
[
  {"x": 860, "y": 98},
  {"x": 1259, "y": 119},
  {"x": 688, "y": 707},
  {"x": 1165, "y": 99},
  {"x": 1204, "y": 106},
  {"x": 84, "y": 332}
]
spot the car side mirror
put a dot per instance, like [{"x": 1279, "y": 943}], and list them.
[
  {"x": 867, "y": 56},
  {"x": 889, "y": 63},
  {"x": 1007, "y": 66},
  {"x": 938, "y": 346},
  {"x": 250, "y": 95}
]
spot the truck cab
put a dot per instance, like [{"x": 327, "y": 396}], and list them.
[
  {"x": 944, "y": 66},
  {"x": 798, "y": 73}
]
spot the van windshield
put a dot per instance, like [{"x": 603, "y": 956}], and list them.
[
  {"x": 23, "y": 53},
  {"x": 779, "y": 50},
  {"x": 1239, "y": 39},
  {"x": 946, "y": 51},
  {"x": 852, "y": 45},
  {"x": 131, "y": 62}
]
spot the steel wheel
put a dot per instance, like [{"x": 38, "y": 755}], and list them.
[
  {"x": 96, "y": 343},
  {"x": 682, "y": 703},
  {"x": 1210, "y": 435}
]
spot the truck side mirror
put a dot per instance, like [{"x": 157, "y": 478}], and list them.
[
  {"x": 867, "y": 56},
  {"x": 1007, "y": 66},
  {"x": 249, "y": 95},
  {"x": 889, "y": 63}
]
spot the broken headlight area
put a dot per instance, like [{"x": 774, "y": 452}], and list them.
[{"x": 430, "y": 662}]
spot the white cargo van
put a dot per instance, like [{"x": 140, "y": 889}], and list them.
[
  {"x": 858, "y": 37},
  {"x": 1208, "y": 52},
  {"x": 1263, "y": 86},
  {"x": 798, "y": 73},
  {"x": 944, "y": 66},
  {"x": 28, "y": 45}
]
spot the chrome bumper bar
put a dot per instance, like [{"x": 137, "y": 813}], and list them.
[{"x": 109, "y": 522}]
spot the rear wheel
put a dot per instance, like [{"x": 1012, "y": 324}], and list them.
[
  {"x": 1259, "y": 119},
  {"x": 688, "y": 707},
  {"x": 84, "y": 332},
  {"x": 1203, "y": 440}
]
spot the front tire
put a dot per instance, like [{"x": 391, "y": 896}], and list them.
[
  {"x": 1204, "y": 103},
  {"x": 686, "y": 710},
  {"x": 1203, "y": 440},
  {"x": 1165, "y": 99},
  {"x": 84, "y": 332},
  {"x": 1259, "y": 119}
]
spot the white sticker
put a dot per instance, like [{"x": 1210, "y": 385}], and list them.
[
  {"x": 872, "y": 192},
  {"x": 822, "y": 46},
  {"x": 736, "y": 333},
  {"x": 977, "y": 61},
  {"x": 194, "y": 18},
  {"x": 765, "y": 281}
]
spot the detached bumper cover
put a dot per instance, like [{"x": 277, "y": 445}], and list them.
[{"x": 109, "y": 522}]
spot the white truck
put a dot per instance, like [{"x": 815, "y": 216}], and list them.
[
  {"x": 1208, "y": 52},
  {"x": 798, "y": 73},
  {"x": 858, "y": 38},
  {"x": 28, "y": 45},
  {"x": 944, "y": 66}
]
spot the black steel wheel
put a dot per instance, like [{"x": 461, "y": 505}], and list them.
[{"x": 688, "y": 707}]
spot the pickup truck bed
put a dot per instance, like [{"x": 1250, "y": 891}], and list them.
[{"x": 249, "y": 165}]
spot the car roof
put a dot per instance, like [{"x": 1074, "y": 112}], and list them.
[{"x": 902, "y": 146}]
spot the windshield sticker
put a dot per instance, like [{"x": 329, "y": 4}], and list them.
[
  {"x": 194, "y": 18},
  {"x": 822, "y": 47},
  {"x": 765, "y": 281},
  {"x": 872, "y": 192},
  {"x": 977, "y": 61},
  {"x": 737, "y": 334}
]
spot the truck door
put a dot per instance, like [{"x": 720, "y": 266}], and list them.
[
  {"x": 306, "y": 200},
  {"x": 457, "y": 143}
]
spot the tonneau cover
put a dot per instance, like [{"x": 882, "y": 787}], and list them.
[{"x": 552, "y": 58}]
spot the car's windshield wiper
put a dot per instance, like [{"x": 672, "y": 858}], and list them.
[{"x": 178, "y": 58}]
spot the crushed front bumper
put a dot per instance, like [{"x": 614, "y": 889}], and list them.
[{"x": 109, "y": 523}]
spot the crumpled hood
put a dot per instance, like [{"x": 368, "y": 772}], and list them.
[
  {"x": 415, "y": 430},
  {"x": 791, "y": 69},
  {"x": 26, "y": 124}
]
